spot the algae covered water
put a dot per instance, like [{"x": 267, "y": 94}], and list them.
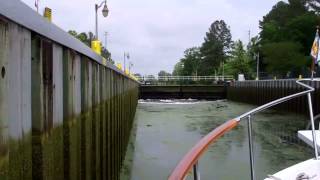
[{"x": 167, "y": 129}]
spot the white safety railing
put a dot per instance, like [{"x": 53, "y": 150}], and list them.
[{"x": 190, "y": 78}]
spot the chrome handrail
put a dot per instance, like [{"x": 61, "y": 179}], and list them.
[
  {"x": 274, "y": 103},
  {"x": 249, "y": 116}
]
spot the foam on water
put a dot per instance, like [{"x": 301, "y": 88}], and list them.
[{"x": 172, "y": 101}]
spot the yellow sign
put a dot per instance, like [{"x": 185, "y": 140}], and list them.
[
  {"x": 96, "y": 46},
  {"x": 119, "y": 66},
  {"x": 48, "y": 14}
]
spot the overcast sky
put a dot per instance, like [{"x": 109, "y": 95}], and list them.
[{"x": 156, "y": 32}]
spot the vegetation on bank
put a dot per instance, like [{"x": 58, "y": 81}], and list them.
[
  {"x": 283, "y": 44},
  {"x": 86, "y": 38}
]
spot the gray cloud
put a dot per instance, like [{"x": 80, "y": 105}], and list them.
[{"x": 157, "y": 32}]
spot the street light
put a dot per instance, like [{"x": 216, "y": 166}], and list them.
[
  {"x": 105, "y": 12},
  {"x": 36, "y": 4},
  {"x": 125, "y": 56}
]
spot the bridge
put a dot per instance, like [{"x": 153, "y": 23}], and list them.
[
  {"x": 184, "y": 87},
  {"x": 190, "y": 79}
]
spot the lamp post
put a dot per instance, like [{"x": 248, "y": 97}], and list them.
[
  {"x": 36, "y": 4},
  {"x": 125, "y": 56},
  {"x": 105, "y": 12}
]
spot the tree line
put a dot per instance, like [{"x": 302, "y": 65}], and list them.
[{"x": 283, "y": 45}]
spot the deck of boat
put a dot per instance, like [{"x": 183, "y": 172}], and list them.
[
  {"x": 306, "y": 136},
  {"x": 309, "y": 169}
]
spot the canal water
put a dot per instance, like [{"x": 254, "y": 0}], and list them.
[{"x": 167, "y": 129}]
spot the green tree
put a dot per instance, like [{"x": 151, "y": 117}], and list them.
[
  {"x": 191, "y": 61},
  {"x": 283, "y": 58},
  {"x": 215, "y": 48},
  {"x": 253, "y": 52},
  {"x": 86, "y": 38},
  {"x": 314, "y": 5},
  {"x": 239, "y": 61},
  {"x": 302, "y": 30},
  {"x": 73, "y": 33},
  {"x": 274, "y": 24},
  {"x": 254, "y": 46},
  {"x": 291, "y": 24},
  {"x": 163, "y": 73},
  {"x": 178, "y": 69},
  {"x": 106, "y": 54}
]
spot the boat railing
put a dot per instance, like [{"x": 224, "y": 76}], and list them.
[{"x": 191, "y": 160}]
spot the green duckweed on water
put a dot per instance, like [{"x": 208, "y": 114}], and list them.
[{"x": 166, "y": 130}]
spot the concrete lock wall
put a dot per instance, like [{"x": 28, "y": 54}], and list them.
[
  {"x": 63, "y": 115},
  {"x": 262, "y": 92}
]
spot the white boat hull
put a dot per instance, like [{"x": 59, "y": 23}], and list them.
[{"x": 310, "y": 168}]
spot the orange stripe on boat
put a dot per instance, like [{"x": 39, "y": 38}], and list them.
[{"x": 195, "y": 153}]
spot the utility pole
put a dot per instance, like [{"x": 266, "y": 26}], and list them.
[
  {"x": 106, "y": 38},
  {"x": 249, "y": 42},
  {"x": 130, "y": 66},
  {"x": 125, "y": 56}
]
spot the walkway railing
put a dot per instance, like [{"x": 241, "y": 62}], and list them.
[
  {"x": 191, "y": 78},
  {"x": 191, "y": 159}
]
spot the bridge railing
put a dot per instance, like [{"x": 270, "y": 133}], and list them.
[
  {"x": 189, "y": 78},
  {"x": 191, "y": 159}
]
